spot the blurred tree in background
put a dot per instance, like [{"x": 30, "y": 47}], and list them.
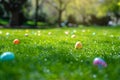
[
  {"x": 1, "y": 11},
  {"x": 60, "y": 6},
  {"x": 111, "y": 8},
  {"x": 15, "y": 9},
  {"x": 61, "y": 12}
]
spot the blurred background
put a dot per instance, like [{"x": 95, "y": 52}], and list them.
[{"x": 59, "y": 13}]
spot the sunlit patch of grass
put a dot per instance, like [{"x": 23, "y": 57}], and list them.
[{"x": 54, "y": 57}]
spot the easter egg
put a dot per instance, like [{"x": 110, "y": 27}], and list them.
[
  {"x": 6, "y": 56},
  {"x": 26, "y": 34},
  {"x": 66, "y": 32},
  {"x": 99, "y": 62},
  {"x": 78, "y": 45},
  {"x": 7, "y": 34},
  {"x": 49, "y": 33},
  {"x": 73, "y": 36},
  {"x": 16, "y": 41}
]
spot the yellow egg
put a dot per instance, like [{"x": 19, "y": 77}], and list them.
[
  {"x": 66, "y": 32},
  {"x": 78, "y": 45},
  {"x": 73, "y": 36},
  {"x": 49, "y": 33},
  {"x": 26, "y": 34}
]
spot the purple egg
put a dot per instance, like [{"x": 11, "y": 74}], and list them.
[{"x": 99, "y": 62}]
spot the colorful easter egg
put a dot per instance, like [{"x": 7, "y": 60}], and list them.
[
  {"x": 26, "y": 34},
  {"x": 49, "y": 33},
  {"x": 66, "y": 32},
  {"x": 6, "y": 56},
  {"x": 99, "y": 62},
  {"x": 16, "y": 41},
  {"x": 78, "y": 45},
  {"x": 73, "y": 36},
  {"x": 7, "y": 34}
]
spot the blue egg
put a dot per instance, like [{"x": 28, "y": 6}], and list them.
[{"x": 6, "y": 56}]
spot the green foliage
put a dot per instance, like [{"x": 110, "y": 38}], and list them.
[
  {"x": 109, "y": 6},
  {"x": 80, "y": 9},
  {"x": 53, "y": 57},
  {"x": 3, "y": 22}
]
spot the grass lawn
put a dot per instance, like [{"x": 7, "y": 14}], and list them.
[{"x": 49, "y": 54}]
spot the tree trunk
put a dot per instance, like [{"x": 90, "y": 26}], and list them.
[
  {"x": 36, "y": 14},
  {"x": 17, "y": 19},
  {"x": 60, "y": 18}
]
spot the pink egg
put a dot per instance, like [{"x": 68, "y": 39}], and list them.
[{"x": 99, "y": 62}]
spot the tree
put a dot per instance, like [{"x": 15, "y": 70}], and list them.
[
  {"x": 35, "y": 9},
  {"x": 15, "y": 8},
  {"x": 60, "y": 6},
  {"x": 39, "y": 14},
  {"x": 36, "y": 13},
  {"x": 83, "y": 9},
  {"x": 111, "y": 7},
  {"x": 1, "y": 11}
]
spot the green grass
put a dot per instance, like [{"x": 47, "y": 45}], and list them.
[
  {"x": 53, "y": 57},
  {"x": 3, "y": 22},
  {"x": 29, "y": 24}
]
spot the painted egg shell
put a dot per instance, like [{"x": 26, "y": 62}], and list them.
[
  {"x": 7, "y": 34},
  {"x": 16, "y": 41},
  {"x": 66, "y": 32},
  {"x": 73, "y": 36},
  {"x": 99, "y": 62},
  {"x": 78, "y": 45},
  {"x": 6, "y": 56},
  {"x": 26, "y": 34},
  {"x": 49, "y": 33}
]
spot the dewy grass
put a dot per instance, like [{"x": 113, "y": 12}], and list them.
[{"x": 50, "y": 54}]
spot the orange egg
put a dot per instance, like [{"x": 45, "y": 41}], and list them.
[
  {"x": 78, "y": 45},
  {"x": 16, "y": 41}
]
